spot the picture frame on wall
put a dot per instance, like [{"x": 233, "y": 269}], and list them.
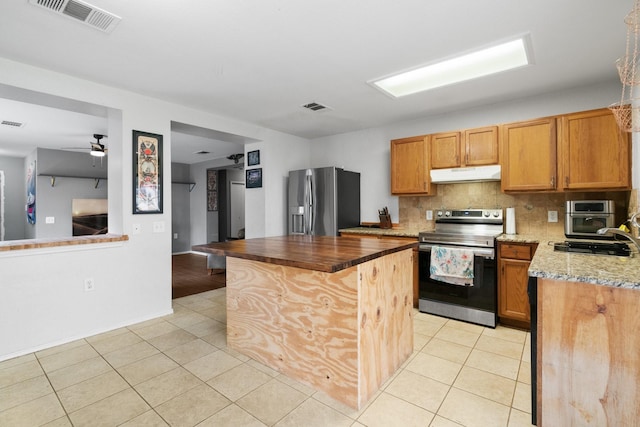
[
  {"x": 253, "y": 158},
  {"x": 147, "y": 173},
  {"x": 212, "y": 190},
  {"x": 254, "y": 178}
]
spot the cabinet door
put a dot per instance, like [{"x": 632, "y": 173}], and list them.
[
  {"x": 481, "y": 146},
  {"x": 513, "y": 301},
  {"x": 595, "y": 152},
  {"x": 445, "y": 150},
  {"x": 529, "y": 155},
  {"x": 410, "y": 166}
]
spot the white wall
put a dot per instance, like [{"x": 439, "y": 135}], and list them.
[
  {"x": 367, "y": 151},
  {"x": 42, "y": 300}
]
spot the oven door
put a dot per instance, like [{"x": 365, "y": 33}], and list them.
[
  {"x": 482, "y": 295},
  {"x": 587, "y": 225}
]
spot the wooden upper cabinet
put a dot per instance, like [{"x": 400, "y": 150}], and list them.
[
  {"x": 410, "y": 166},
  {"x": 595, "y": 153},
  {"x": 445, "y": 150},
  {"x": 473, "y": 147},
  {"x": 528, "y": 155},
  {"x": 481, "y": 146}
]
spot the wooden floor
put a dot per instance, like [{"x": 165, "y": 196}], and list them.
[{"x": 190, "y": 276}]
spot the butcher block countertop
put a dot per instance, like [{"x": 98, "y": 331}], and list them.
[{"x": 321, "y": 253}]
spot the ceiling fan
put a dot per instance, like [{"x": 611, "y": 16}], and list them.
[{"x": 96, "y": 149}]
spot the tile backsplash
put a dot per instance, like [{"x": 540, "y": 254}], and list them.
[{"x": 531, "y": 208}]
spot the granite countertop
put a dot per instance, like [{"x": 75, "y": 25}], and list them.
[
  {"x": 621, "y": 272},
  {"x": 390, "y": 232},
  {"x": 321, "y": 253}
]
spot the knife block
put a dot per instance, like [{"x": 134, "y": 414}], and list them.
[{"x": 385, "y": 221}]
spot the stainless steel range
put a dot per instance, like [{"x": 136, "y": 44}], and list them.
[{"x": 473, "y": 230}]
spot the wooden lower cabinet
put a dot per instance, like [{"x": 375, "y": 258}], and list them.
[
  {"x": 513, "y": 266},
  {"x": 416, "y": 263}
]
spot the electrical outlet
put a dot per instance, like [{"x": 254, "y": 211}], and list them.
[
  {"x": 552, "y": 216},
  {"x": 175, "y": 235},
  {"x": 50, "y": 220},
  {"x": 429, "y": 215},
  {"x": 89, "y": 284}
]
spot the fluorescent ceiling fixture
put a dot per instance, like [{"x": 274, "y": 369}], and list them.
[{"x": 495, "y": 59}]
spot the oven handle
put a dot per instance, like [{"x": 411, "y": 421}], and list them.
[{"x": 483, "y": 252}]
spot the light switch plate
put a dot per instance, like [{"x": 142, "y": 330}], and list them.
[
  {"x": 552, "y": 216},
  {"x": 50, "y": 220},
  {"x": 429, "y": 215}
]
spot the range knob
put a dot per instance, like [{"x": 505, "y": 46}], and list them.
[
  {"x": 485, "y": 214},
  {"x": 439, "y": 214},
  {"x": 447, "y": 214},
  {"x": 496, "y": 214}
]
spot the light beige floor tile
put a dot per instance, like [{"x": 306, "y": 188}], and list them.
[
  {"x": 212, "y": 365},
  {"x": 60, "y": 348},
  {"x": 473, "y": 411},
  {"x": 526, "y": 353},
  {"x": 217, "y": 312},
  {"x": 232, "y": 415},
  {"x": 344, "y": 409},
  {"x": 357, "y": 424},
  {"x": 424, "y": 327},
  {"x": 458, "y": 336},
  {"x": 312, "y": 413},
  {"x": 112, "y": 411},
  {"x": 17, "y": 361},
  {"x": 196, "y": 304},
  {"x": 60, "y": 422},
  {"x": 421, "y": 391},
  {"x": 186, "y": 319},
  {"x": 430, "y": 318},
  {"x": 239, "y": 381},
  {"x": 500, "y": 346},
  {"x": 130, "y": 354},
  {"x": 435, "y": 368},
  {"x": 171, "y": 340},
  {"x": 524, "y": 374},
  {"x": 507, "y": 334},
  {"x": 79, "y": 372},
  {"x": 34, "y": 412},
  {"x": 519, "y": 419},
  {"x": 190, "y": 351},
  {"x": 241, "y": 357},
  {"x": 148, "y": 419},
  {"x": 465, "y": 326},
  {"x": 494, "y": 363},
  {"x": 271, "y": 402},
  {"x": 192, "y": 407},
  {"x": 20, "y": 372},
  {"x": 92, "y": 390},
  {"x": 144, "y": 324},
  {"x": 419, "y": 341},
  {"x": 206, "y": 327},
  {"x": 144, "y": 369},
  {"x": 110, "y": 344},
  {"x": 447, "y": 350},
  {"x": 486, "y": 384},
  {"x": 388, "y": 411},
  {"x": 219, "y": 339},
  {"x": 164, "y": 387},
  {"x": 68, "y": 357},
  {"x": 155, "y": 330},
  {"x": 303, "y": 388},
  {"x": 264, "y": 368},
  {"x": 439, "y": 421},
  {"x": 522, "y": 397},
  {"x": 25, "y": 391}
]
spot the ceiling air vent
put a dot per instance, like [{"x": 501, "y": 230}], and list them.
[
  {"x": 314, "y": 106},
  {"x": 202, "y": 152},
  {"x": 81, "y": 11},
  {"x": 12, "y": 124}
]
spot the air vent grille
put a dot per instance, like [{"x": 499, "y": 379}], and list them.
[
  {"x": 13, "y": 124},
  {"x": 202, "y": 152},
  {"x": 314, "y": 106},
  {"x": 81, "y": 11}
]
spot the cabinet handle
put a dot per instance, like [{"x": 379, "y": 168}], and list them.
[
  {"x": 553, "y": 182},
  {"x": 566, "y": 181}
]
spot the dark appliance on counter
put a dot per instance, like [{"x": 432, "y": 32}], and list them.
[
  {"x": 323, "y": 200},
  {"x": 585, "y": 217},
  {"x": 593, "y": 248},
  {"x": 476, "y": 231}
]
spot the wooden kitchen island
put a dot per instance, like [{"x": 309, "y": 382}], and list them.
[{"x": 331, "y": 312}]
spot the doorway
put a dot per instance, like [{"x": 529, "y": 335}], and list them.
[{"x": 236, "y": 209}]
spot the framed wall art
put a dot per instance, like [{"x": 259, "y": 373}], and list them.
[
  {"x": 253, "y": 158},
  {"x": 212, "y": 190},
  {"x": 254, "y": 178},
  {"x": 147, "y": 173}
]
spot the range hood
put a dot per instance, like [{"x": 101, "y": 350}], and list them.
[{"x": 479, "y": 173}]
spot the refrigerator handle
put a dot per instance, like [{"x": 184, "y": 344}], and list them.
[{"x": 309, "y": 202}]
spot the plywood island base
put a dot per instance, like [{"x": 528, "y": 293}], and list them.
[
  {"x": 589, "y": 363},
  {"x": 344, "y": 333}
]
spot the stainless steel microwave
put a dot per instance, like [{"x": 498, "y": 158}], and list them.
[{"x": 585, "y": 217}]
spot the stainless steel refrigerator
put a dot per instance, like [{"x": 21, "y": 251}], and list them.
[{"x": 323, "y": 201}]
